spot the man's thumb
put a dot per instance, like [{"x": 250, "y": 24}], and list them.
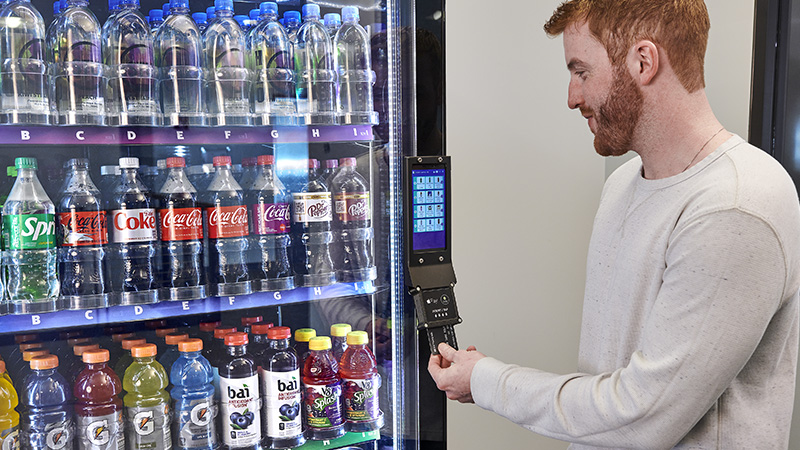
[{"x": 449, "y": 353}]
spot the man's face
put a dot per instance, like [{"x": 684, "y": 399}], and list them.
[{"x": 607, "y": 96}]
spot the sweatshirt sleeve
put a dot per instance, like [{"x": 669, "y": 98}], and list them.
[{"x": 724, "y": 280}]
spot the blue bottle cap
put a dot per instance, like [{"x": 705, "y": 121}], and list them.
[
  {"x": 165, "y": 9},
  {"x": 210, "y": 13},
  {"x": 254, "y": 13},
  {"x": 177, "y": 4},
  {"x": 62, "y": 5},
  {"x": 132, "y": 3},
  {"x": 268, "y": 8},
  {"x": 310, "y": 11},
  {"x": 156, "y": 14},
  {"x": 240, "y": 19},
  {"x": 223, "y": 5},
  {"x": 280, "y": 21},
  {"x": 199, "y": 18},
  {"x": 113, "y": 5},
  {"x": 56, "y": 7},
  {"x": 350, "y": 13},
  {"x": 291, "y": 17},
  {"x": 332, "y": 19}
]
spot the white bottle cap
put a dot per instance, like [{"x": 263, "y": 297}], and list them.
[
  {"x": 129, "y": 163},
  {"x": 161, "y": 164}
]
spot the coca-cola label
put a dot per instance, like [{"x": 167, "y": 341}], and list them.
[
  {"x": 353, "y": 207},
  {"x": 133, "y": 225},
  {"x": 312, "y": 207},
  {"x": 272, "y": 218},
  {"x": 81, "y": 228},
  {"x": 227, "y": 221},
  {"x": 181, "y": 224}
]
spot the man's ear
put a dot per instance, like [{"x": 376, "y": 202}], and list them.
[{"x": 643, "y": 61}]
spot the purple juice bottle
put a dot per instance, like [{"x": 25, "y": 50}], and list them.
[
  {"x": 322, "y": 397},
  {"x": 281, "y": 396}
]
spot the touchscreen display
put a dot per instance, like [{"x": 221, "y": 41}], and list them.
[{"x": 428, "y": 190}]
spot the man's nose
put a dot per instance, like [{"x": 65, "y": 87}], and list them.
[{"x": 574, "y": 96}]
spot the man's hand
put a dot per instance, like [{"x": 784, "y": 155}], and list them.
[{"x": 451, "y": 369}]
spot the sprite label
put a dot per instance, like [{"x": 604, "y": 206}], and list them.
[{"x": 29, "y": 231}]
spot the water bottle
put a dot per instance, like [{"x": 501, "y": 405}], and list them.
[
  {"x": 315, "y": 72},
  {"x": 48, "y": 418},
  {"x": 353, "y": 224},
  {"x": 227, "y": 78},
  {"x": 82, "y": 263},
  {"x": 29, "y": 236},
  {"x": 165, "y": 10},
  {"x": 58, "y": 8},
  {"x": 200, "y": 20},
  {"x": 155, "y": 18},
  {"x": 254, "y": 16},
  {"x": 23, "y": 68},
  {"x": 352, "y": 43},
  {"x": 270, "y": 59},
  {"x": 177, "y": 51},
  {"x": 291, "y": 21},
  {"x": 77, "y": 73},
  {"x": 113, "y": 9},
  {"x": 241, "y": 19},
  {"x": 128, "y": 52},
  {"x": 332, "y": 23},
  {"x": 211, "y": 14},
  {"x": 312, "y": 214}
]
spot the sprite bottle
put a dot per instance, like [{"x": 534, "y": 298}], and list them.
[{"x": 29, "y": 240}]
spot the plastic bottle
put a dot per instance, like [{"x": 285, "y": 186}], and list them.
[
  {"x": 312, "y": 214},
  {"x": 315, "y": 71},
  {"x": 332, "y": 23},
  {"x": 82, "y": 239},
  {"x": 9, "y": 417},
  {"x": 291, "y": 21},
  {"x": 301, "y": 338},
  {"x": 241, "y": 19},
  {"x": 47, "y": 420},
  {"x": 240, "y": 412},
  {"x": 22, "y": 342},
  {"x": 249, "y": 321},
  {"x": 339, "y": 339},
  {"x": 270, "y": 209},
  {"x": 361, "y": 383},
  {"x": 162, "y": 172},
  {"x": 77, "y": 72},
  {"x": 171, "y": 354},
  {"x": 113, "y": 9},
  {"x": 29, "y": 238},
  {"x": 259, "y": 341},
  {"x": 254, "y": 16},
  {"x": 155, "y": 19},
  {"x": 147, "y": 413},
  {"x": 211, "y": 14},
  {"x": 133, "y": 235},
  {"x": 115, "y": 349},
  {"x": 227, "y": 78},
  {"x": 352, "y": 44},
  {"x": 206, "y": 333},
  {"x": 109, "y": 177},
  {"x": 216, "y": 355},
  {"x": 322, "y": 395},
  {"x": 201, "y": 20},
  {"x": 248, "y": 173},
  {"x": 227, "y": 230},
  {"x": 27, "y": 356},
  {"x": 353, "y": 224},
  {"x": 177, "y": 51},
  {"x": 280, "y": 390},
  {"x": 23, "y": 68},
  {"x": 98, "y": 406},
  {"x": 126, "y": 359},
  {"x": 194, "y": 425},
  {"x": 181, "y": 220},
  {"x": 331, "y": 166},
  {"x": 76, "y": 365},
  {"x": 49, "y": 32},
  {"x": 161, "y": 339}
]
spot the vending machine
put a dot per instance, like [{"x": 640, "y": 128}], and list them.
[{"x": 208, "y": 224}]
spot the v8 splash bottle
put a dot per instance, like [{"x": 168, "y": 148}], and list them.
[
  {"x": 280, "y": 390},
  {"x": 194, "y": 425},
  {"x": 147, "y": 411},
  {"x": 9, "y": 418},
  {"x": 240, "y": 405},
  {"x": 98, "y": 408},
  {"x": 359, "y": 373},
  {"x": 322, "y": 399},
  {"x": 47, "y": 422}
]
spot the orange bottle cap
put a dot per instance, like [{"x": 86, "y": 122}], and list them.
[
  {"x": 154, "y": 324},
  {"x": 163, "y": 332},
  {"x": 261, "y": 328},
  {"x": 144, "y": 350},
  {"x": 76, "y": 341},
  {"x": 208, "y": 327},
  {"x": 174, "y": 338},
  {"x": 120, "y": 336},
  {"x": 304, "y": 334},
  {"x": 220, "y": 333},
  {"x": 44, "y": 362},
  {"x": 21, "y": 338},
  {"x": 95, "y": 356},
  {"x": 79, "y": 349},
  {"x": 251, "y": 320},
  {"x": 28, "y": 355},
  {"x": 279, "y": 333},
  {"x": 190, "y": 345},
  {"x": 30, "y": 345},
  {"x": 129, "y": 343},
  {"x": 236, "y": 339},
  {"x": 2, "y": 366},
  {"x": 357, "y": 338},
  {"x": 340, "y": 329}
]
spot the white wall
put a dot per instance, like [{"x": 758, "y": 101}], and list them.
[{"x": 527, "y": 184}]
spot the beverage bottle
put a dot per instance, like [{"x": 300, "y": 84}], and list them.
[
  {"x": 22, "y": 342},
  {"x": 113, "y": 9},
  {"x": 23, "y": 68},
  {"x": 331, "y": 166},
  {"x": 162, "y": 172},
  {"x": 160, "y": 339},
  {"x": 302, "y": 336},
  {"x": 332, "y": 23},
  {"x": 9, "y": 417},
  {"x": 165, "y": 10},
  {"x": 322, "y": 392},
  {"x": 49, "y": 36},
  {"x": 291, "y": 21},
  {"x": 227, "y": 78},
  {"x": 181, "y": 220},
  {"x": 82, "y": 239},
  {"x": 147, "y": 413},
  {"x": 270, "y": 59},
  {"x": 200, "y": 20},
  {"x": 171, "y": 354},
  {"x": 311, "y": 231},
  {"x": 177, "y": 52},
  {"x": 98, "y": 406},
  {"x": 215, "y": 356},
  {"x": 109, "y": 177},
  {"x": 73, "y": 368},
  {"x": 47, "y": 421},
  {"x": 249, "y": 321},
  {"x": 211, "y": 14},
  {"x": 155, "y": 19},
  {"x": 242, "y": 20},
  {"x": 353, "y": 224},
  {"x": 15, "y": 364},
  {"x": 315, "y": 72},
  {"x": 206, "y": 333},
  {"x": 259, "y": 341},
  {"x": 361, "y": 383},
  {"x": 248, "y": 173},
  {"x": 254, "y": 16},
  {"x": 226, "y": 219},
  {"x": 29, "y": 238},
  {"x": 240, "y": 412},
  {"x": 27, "y": 356},
  {"x": 339, "y": 339},
  {"x": 126, "y": 359},
  {"x": 194, "y": 425},
  {"x": 352, "y": 44},
  {"x": 133, "y": 236},
  {"x": 280, "y": 390},
  {"x": 77, "y": 72},
  {"x": 115, "y": 349}
]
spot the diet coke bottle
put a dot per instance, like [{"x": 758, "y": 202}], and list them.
[
  {"x": 311, "y": 231},
  {"x": 181, "y": 222},
  {"x": 132, "y": 225},
  {"x": 225, "y": 217},
  {"x": 82, "y": 236},
  {"x": 353, "y": 224},
  {"x": 271, "y": 217}
]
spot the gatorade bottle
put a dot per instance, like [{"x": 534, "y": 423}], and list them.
[
  {"x": 14, "y": 360},
  {"x": 126, "y": 359},
  {"x": 98, "y": 408},
  {"x": 171, "y": 354},
  {"x": 301, "y": 338},
  {"x": 27, "y": 356},
  {"x": 76, "y": 366},
  {"x": 322, "y": 399},
  {"x": 47, "y": 422},
  {"x": 240, "y": 412},
  {"x": 280, "y": 390},
  {"x": 360, "y": 380},
  {"x": 147, "y": 413},
  {"x": 9, "y": 418},
  {"x": 116, "y": 345},
  {"x": 194, "y": 424},
  {"x": 161, "y": 335},
  {"x": 339, "y": 339}
]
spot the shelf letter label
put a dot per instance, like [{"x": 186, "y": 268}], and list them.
[
  {"x": 227, "y": 134},
  {"x": 131, "y": 135},
  {"x": 355, "y": 131},
  {"x": 36, "y": 320},
  {"x": 79, "y": 135},
  {"x": 179, "y": 134},
  {"x": 274, "y": 134},
  {"x": 138, "y": 310},
  {"x": 185, "y": 306},
  {"x": 277, "y": 295},
  {"x": 25, "y": 135},
  {"x": 315, "y": 132},
  {"x": 88, "y": 314},
  {"x": 231, "y": 300},
  {"x": 317, "y": 291}
]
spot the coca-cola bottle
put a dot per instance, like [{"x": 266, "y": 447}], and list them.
[
  {"x": 82, "y": 236},
  {"x": 132, "y": 225},
  {"x": 311, "y": 231},
  {"x": 271, "y": 218},
  {"x": 181, "y": 222},
  {"x": 353, "y": 224},
  {"x": 225, "y": 218}
]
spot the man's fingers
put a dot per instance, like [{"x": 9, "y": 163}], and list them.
[
  {"x": 435, "y": 366},
  {"x": 447, "y": 352},
  {"x": 472, "y": 348}
]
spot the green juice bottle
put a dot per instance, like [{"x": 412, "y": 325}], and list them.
[{"x": 147, "y": 412}]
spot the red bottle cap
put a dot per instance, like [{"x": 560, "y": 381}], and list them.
[
  {"x": 190, "y": 345},
  {"x": 79, "y": 349},
  {"x": 97, "y": 356},
  {"x": 222, "y": 161},
  {"x": 176, "y": 161},
  {"x": 208, "y": 327},
  {"x": 251, "y": 320},
  {"x": 144, "y": 350},
  {"x": 331, "y": 163},
  {"x": 28, "y": 355},
  {"x": 261, "y": 328},
  {"x": 313, "y": 164},
  {"x": 163, "y": 332},
  {"x": 348, "y": 162},
  {"x": 279, "y": 333},
  {"x": 237, "y": 338},
  {"x": 266, "y": 160},
  {"x": 175, "y": 338},
  {"x": 220, "y": 333},
  {"x": 129, "y": 343},
  {"x": 44, "y": 362}
]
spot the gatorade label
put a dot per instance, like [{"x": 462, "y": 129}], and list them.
[
  {"x": 312, "y": 207},
  {"x": 9, "y": 439},
  {"x": 227, "y": 222},
  {"x": 361, "y": 399},
  {"x": 148, "y": 428},
  {"x": 323, "y": 405},
  {"x": 56, "y": 436},
  {"x": 101, "y": 432},
  {"x": 282, "y": 403},
  {"x": 83, "y": 228},
  {"x": 272, "y": 218},
  {"x": 352, "y": 207},
  {"x": 181, "y": 224},
  {"x": 241, "y": 412},
  {"x": 195, "y": 424},
  {"x": 133, "y": 225},
  {"x": 29, "y": 231}
]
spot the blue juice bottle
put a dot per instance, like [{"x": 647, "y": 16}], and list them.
[
  {"x": 47, "y": 420},
  {"x": 194, "y": 423}
]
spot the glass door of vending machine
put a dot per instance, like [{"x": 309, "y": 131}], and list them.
[{"x": 202, "y": 225}]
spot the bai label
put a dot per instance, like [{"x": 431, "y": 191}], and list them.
[
  {"x": 133, "y": 225},
  {"x": 29, "y": 231},
  {"x": 240, "y": 410},
  {"x": 323, "y": 405},
  {"x": 283, "y": 403},
  {"x": 353, "y": 207},
  {"x": 83, "y": 228},
  {"x": 272, "y": 218},
  {"x": 181, "y": 224},
  {"x": 312, "y": 207},
  {"x": 148, "y": 428},
  {"x": 195, "y": 424},
  {"x": 227, "y": 221}
]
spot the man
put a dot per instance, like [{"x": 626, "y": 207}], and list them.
[{"x": 690, "y": 322}]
